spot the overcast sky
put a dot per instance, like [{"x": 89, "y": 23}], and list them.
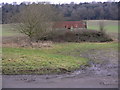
[{"x": 53, "y": 1}]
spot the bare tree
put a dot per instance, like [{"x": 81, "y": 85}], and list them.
[{"x": 36, "y": 20}]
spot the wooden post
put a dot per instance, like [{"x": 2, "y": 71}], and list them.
[{"x": 85, "y": 24}]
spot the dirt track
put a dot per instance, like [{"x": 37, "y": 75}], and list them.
[{"x": 101, "y": 75}]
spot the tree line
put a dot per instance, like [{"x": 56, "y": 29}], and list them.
[{"x": 70, "y": 12}]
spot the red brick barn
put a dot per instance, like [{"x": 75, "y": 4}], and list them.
[{"x": 70, "y": 24}]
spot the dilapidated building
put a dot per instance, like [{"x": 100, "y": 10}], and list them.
[{"x": 70, "y": 24}]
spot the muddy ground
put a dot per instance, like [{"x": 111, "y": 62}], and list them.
[{"x": 102, "y": 73}]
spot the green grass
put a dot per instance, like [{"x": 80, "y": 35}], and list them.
[
  {"x": 62, "y": 57},
  {"x": 8, "y": 30},
  {"x": 28, "y": 61},
  {"x": 110, "y": 25}
]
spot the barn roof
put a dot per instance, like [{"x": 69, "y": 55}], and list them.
[{"x": 68, "y": 24}]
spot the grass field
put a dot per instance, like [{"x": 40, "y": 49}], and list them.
[
  {"x": 60, "y": 58},
  {"x": 109, "y": 25},
  {"x": 8, "y": 30}
]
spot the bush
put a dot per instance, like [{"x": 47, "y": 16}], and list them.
[{"x": 77, "y": 36}]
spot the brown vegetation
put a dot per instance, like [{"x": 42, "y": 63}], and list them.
[
  {"x": 24, "y": 42},
  {"x": 77, "y": 36}
]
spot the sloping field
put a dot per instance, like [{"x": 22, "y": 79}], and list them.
[{"x": 109, "y": 25}]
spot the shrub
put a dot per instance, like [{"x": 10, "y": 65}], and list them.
[{"x": 77, "y": 36}]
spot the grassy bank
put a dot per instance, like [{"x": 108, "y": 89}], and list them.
[{"x": 60, "y": 58}]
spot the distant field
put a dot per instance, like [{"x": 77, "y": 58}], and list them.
[
  {"x": 110, "y": 25},
  {"x": 8, "y": 30}
]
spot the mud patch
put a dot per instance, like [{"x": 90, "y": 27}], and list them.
[{"x": 103, "y": 62}]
